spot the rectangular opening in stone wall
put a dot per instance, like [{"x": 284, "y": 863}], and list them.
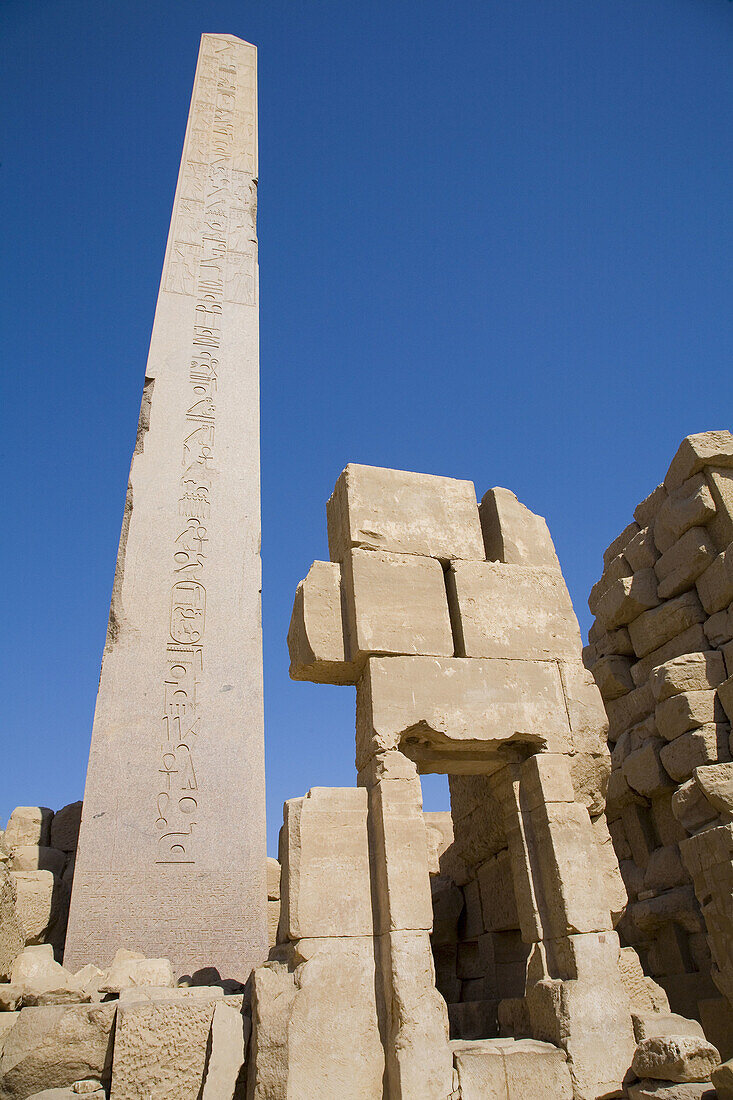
[{"x": 480, "y": 959}]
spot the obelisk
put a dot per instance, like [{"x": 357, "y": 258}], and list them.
[{"x": 171, "y": 857}]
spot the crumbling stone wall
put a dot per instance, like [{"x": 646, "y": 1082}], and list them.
[{"x": 661, "y": 652}]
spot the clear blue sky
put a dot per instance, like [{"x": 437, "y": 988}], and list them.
[{"x": 495, "y": 243}]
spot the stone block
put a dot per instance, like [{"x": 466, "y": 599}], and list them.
[
  {"x": 612, "y": 674},
  {"x": 65, "y": 827},
  {"x": 471, "y": 1020},
  {"x": 725, "y": 695},
  {"x": 316, "y": 641},
  {"x": 691, "y": 640},
  {"x": 720, "y": 482},
  {"x": 629, "y": 710},
  {"x": 512, "y": 533},
  {"x": 675, "y": 1058},
  {"x": 512, "y": 1069},
  {"x": 587, "y": 714},
  {"x": 666, "y": 825},
  {"x": 12, "y": 936},
  {"x": 273, "y": 879},
  {"x": 404, "y": 513},
  {"x": 496, "y": 888},
  {"x": 706, "y": 745},
  {"x": 716, "y": 783},
  {"x": 716, "y": 1015},
  {"x": 513, "y": 611},
  {"x": 615, "y": 570},
  {"x": 688, "y": 672},
  {"x": 645, "y": 996},
  {"x": 691, "y": 808},
  {"x": 643, "y": 770},
  {"x": 680, "y": 566},
  {"x": 678, "y": 905},
  {"x": 690, "y": 505},
  {"x": 473, "y": 920},
  {"x": 645, "y": 512},
  {"x": 615, "y": 890},
  {"x": 697, "y": 451},
  {"x": 590, "y": 774},
  {"x": 639, "y": 832},
  {"x": 722, "y": 1079},
  {"x": 32, "y": 857},
  {"x": 127, "y": 973},
  {"x": 440, "y": 710},
  {"x": 54, "y": 1046},
  {"x": 715, "y": 585},
  {"x": 399, "y": 860},
  {"x": 628, "y": 598},
  {"x": 664, "y": 1090},
  {"x": 692, "y": 709},
  {"x": 395, "y": 604},
  {"x": 29, "y": 825},
  {"x": 160, "y": 1049},
  {"x": 719, "y": 628},
  {"x": 439, "y": 835},
  {"x": 325, "y": 865},
  {"x": 273, "y": 921},
  {"x": 658, "y": 1025},
  {"x": 641, "y": 552},
  {"x": 656, "y": 627},
  {"x": 230, "y": 1029},
  {"x": 610, "y": 641},
  {"x": 664, "y": 870},
  {"x": 36, "y": 972},
  {"x": 620, "y": 543},
  {"x": 37, "y": 903}
]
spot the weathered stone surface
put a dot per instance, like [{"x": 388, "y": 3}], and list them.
[
  {"x": 447, "y": 908},
  {"x": 324, "y": 854},
  {"x": 496, "y": 888},
  {"x": 512, "y": 533},
  {"x": 629, "y": 710},
  {"x": 697, "y": 451},
  {"x": 590, "y": 773},
  {"x": 615, "y": 570},
  {"x": 395, "y": 604},
  {"x": 689, "y": 672},
  {"x": 588, "y": 720},
  {"x": 645, "y": 996},
  {"x": 663, "y": 1090},
  {"x": 316, "y": 640},
  {"x": 643, "y": 769},
  {"x": 620, "y": 543},
  {"x": 429, "y": 705},
  {"x": 720, "y": 527},
  {"x": 126, "y": 973},
  {"x": 273, "y": 879},
  {"x": 37, "y": 904},
  {"x": 29, "y": 825},
  {"x": 513, "y": 611},
  {"x": 224, "y": 1078},
  {"x": 628, "y": 598},
  {"x": 656, "y": 627},
  {"x": 722, "y": 1079},
  {"x": 676, "y": 905},
  {"x": 725, "y": 695},
  {"x": 511, "y": 1069},
  {"x": 719, "y": 628},
  {"x": 675, "y": 1058},
  {"x": 716, "y": 783},
  {"x": 439, "y": 835},
  {"x": 398, "y": 857},
  {"x": 690, "y": 505},
  {"x": 706, "y": 745},
  {"x": 55, "y": 1046},
  {"x": 405, "y": 513},
  {"x": 685, "y": 712},
  {"x": 35, "y": 972},
  {"x": 612, "y": 674},
  {"x": 641, "y": 552},
  {"x": 715, "y": 585},
  {"x": 615, "y": 890},
  {"x": 691, "y": 640},
  {"x": 664, "y": 869},
  {"x": 12, "y": 937},
  {"x": 691, "y": 808},
  {"x": 65, "y": 827},
  {"x": 645, "y": 513},
  {"x": 32, "y": 857},
  {"x": 682, "y": 564},
  {"x": 160, "y": 1049},
  {"x": 664, "y": 1025},
  {"x": 177, "y": 744}
]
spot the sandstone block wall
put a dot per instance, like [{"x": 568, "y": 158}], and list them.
[{"x": 661, "y": 652}]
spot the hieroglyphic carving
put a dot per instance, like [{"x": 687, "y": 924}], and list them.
[{"x": 212, "y": 257}]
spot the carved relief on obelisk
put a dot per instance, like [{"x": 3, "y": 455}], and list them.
[{"x": 171, "y": 856}]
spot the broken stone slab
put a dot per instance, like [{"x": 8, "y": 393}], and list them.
[
  {"x": 675, "y": 1058},
  {"x": 690, "y": 505},
  {"x": 664, "y": 1024},
  {"x": 715, "y": 585},
  {"x": 628, "y": 598},
  {"x": 690, "y": 710},
  {"x": 53, "y": 1047},
  {"x": 224, "y": 1073},
  {"x": 405, "y": 513},
  {"x": 680, "y": 566},
  {"x": 688, "y": 672},
  {"x": 29, "y": 825},
  {"x": 512, "y": 533},
  {"x": 439, "y": 835},
  {"x": 646, "y": 998},
  {"x": 512, "y": 611},
  {"x": 586, "y": 712},
  {"x": 654, "y": 628},
  {"x": 616, "y": 898},
  {"x": 395, "y": 604},
  {"x": 36, "y": 973},
  {"x": 11, "y": 997},
  {"x": 324, "y": 853},
  {"x": 694, "y": 749},
  {"x": 691, "y": 640},
  {"x": 316, "y": 640},
  {"x": 511, "y": 1069},
  {"x": 152, "y": 994},
  {"x": 666, "y": 1090},
  {"x": 590, "y": 774},
  {"x": 713, "y": 448},
  {"x": 440, "y": 711},
  {"x": 160, "y": 1049},
  {"x": 65, "y": 827}
]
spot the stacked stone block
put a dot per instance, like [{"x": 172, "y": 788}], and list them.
[{"x": 661, "y": 652}]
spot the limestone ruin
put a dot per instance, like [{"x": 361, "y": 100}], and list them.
[{"x": 563, "y": 932}]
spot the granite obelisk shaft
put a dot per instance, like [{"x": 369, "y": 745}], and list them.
[{"x": 171, "y": 856}]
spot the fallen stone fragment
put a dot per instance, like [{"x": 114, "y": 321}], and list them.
[
  {"x": 126, "y": 973},
  {"x": 665, "y": 1090},
  {"x": 36, "y": 971},
  {"x": 512, "y": 533},
  {"x": 54, "y": 1047},
  {"x": 37, "y": 903},
  {"x": 224, "y": 1076},
  {"x": 651, "y": 1025},
  {"x": 675, "y": 1058},
  {"x": 722, "y": 1078},
  {"x": 12, "y": 937}
]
